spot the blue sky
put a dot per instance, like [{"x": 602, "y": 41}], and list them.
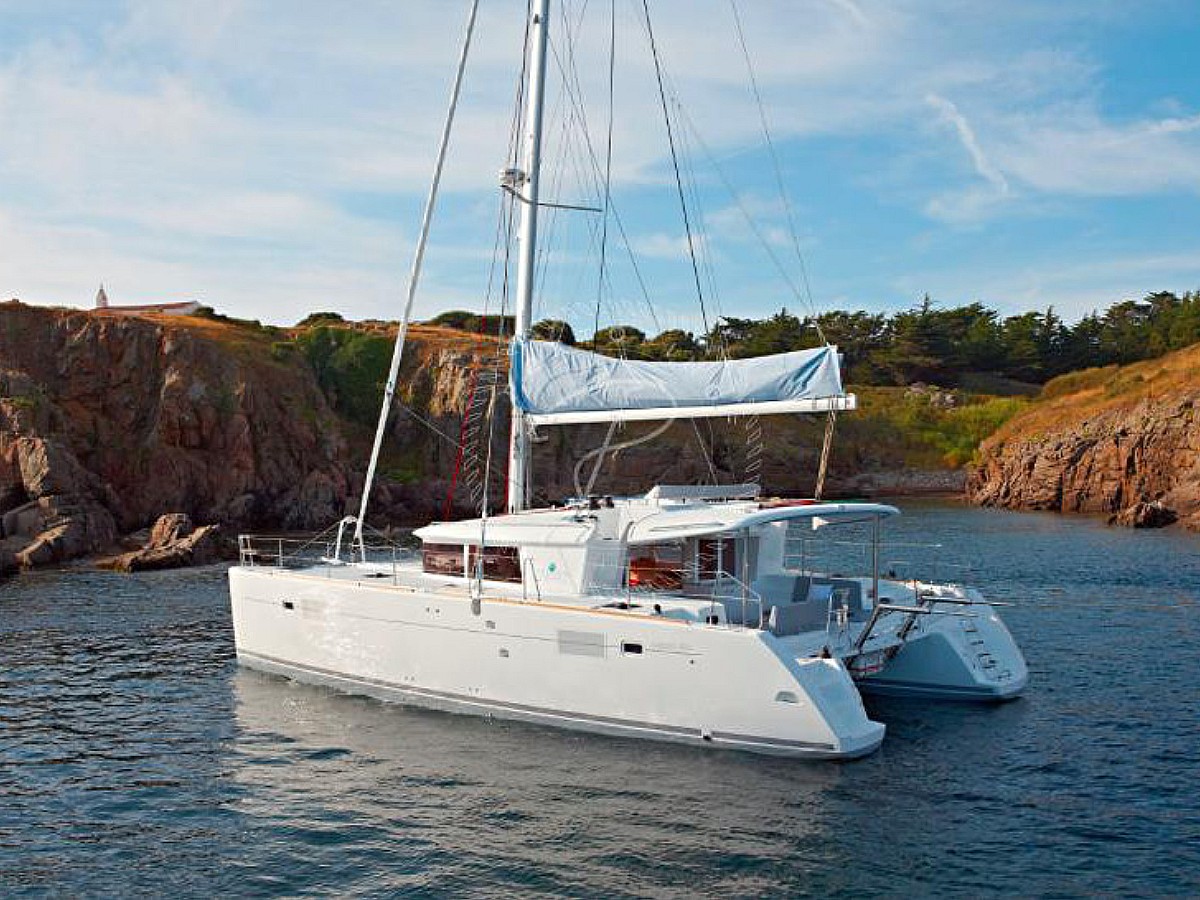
[{"x": 270, "y": 159}]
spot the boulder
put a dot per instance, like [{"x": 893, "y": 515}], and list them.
[
  {"x": 87, "y": 531},
  {"x": 1145, "y": 515},
  {"x": 48, "y": 468},
  {"x": 169, "y": 529},
  {"x": 174, "y": 543}
]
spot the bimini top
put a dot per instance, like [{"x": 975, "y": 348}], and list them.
[
  {"x": 559, "y": 385},
  {"x": 675, "y": 523}
]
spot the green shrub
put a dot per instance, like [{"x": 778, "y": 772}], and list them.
[
  {"x": 351, "y": 367},
  {"x": 319, "y": 318},
  {"x": 462, "y": 320},
  {"x": 895, "y": 428},
  {"x": 966, "y": 427},
  {"x": 207, "y": 312},
  {"x": 282, "y": 351}
]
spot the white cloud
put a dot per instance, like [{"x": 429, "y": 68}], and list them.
[
  {"x": 983, "y": 166},
  {"x": 853, "y": 10},
  {"x": 666, "y": 246},
  {"x": 750, "y": 213},
  {"x": 222, "y": 147},
  {"x": 1083, "y": 154}
]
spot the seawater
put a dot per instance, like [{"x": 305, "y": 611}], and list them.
[{"x": 136, "y": 759}]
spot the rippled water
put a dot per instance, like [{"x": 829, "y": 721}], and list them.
[{"x": 136, "y": 759}]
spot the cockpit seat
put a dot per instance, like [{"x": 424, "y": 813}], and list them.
[
  {"x": 792, "y": 604},
  {"x": 777, "y": 589},
  {"x": 794, "y": 618}
]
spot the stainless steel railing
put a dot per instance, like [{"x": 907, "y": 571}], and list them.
[{"x": 315, "y": 552}]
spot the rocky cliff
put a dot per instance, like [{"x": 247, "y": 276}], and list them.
[
  {"x": 108, "y": 422},
  {"x": 1124, "y": 442}
]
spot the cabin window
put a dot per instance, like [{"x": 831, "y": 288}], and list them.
[
  {"x": 499, "y": 563},
  {"x": 716, "y": 556},
  {"x": 656, "y": 567},
  {"x": 442, "y": 559}
]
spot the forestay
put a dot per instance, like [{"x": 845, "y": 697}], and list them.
[{"x": 554, "y": 384}]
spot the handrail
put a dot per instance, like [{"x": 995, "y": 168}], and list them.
[
  {"x": 277, "y": 551},
  {"x": 748, "y": 594},
  {"x": 678, "y": 582},
  {"x": 537, "y": 586}
]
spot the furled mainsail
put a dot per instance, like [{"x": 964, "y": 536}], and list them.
[{"x": 554, "y": 384}]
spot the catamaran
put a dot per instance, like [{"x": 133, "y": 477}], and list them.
[{"x": 691, "y": 613}]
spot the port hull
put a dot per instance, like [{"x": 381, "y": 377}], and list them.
[{"x": 558, "y": 665}]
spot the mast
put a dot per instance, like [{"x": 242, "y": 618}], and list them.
[{"x": 527, "y": 191}]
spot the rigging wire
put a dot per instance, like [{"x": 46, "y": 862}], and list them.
[
  {"x": 826, "y": 447},
  {"x": 687, "y": 224},
  {"x": 552, "y": 181},
  {"x": 588, "y": 168},
  {"x": 612, "y": 59},
  {"x": 778, "y": 168},
  {"x": 683, "y": 205},
  {"x": 789, "y": 216},
  {"x": 477, "y": 476},
  {"x": 506, "y": 283},
  {"x": 576, "y": 153},
  {"x": 554, "y": 229},
  {"x": 831, "y": 420},
  {"x": 574, "y": 95},
  {"x": 633, "y": 442},
  {"x": 753, "y": 225},
  {"x": 703, "y": 245}
]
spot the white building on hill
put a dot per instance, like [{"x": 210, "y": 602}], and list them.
[{"x": 182, "y": 308}]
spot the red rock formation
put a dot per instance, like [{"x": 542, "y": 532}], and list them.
[
  {"x": 1131, "y": 454},
  {"x": 108, "y": 422}
]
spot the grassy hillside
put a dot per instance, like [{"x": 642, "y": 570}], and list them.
[
  {"x": 930, "y": 430},
  {"x": 1071, "y": 398}
]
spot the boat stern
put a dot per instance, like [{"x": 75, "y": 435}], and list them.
[{"x": 969, "y": 658}]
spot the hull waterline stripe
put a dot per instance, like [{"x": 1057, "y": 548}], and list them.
[
  {"x": 538, "y": 711},
  {"x": 888, "y": 684},
  {"x": 769, "y": 741}
]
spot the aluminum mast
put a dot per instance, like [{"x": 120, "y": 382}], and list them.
[{"x": 527, "y": 193}]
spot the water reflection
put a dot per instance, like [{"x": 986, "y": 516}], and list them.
[{"x": 528, "y": 806}]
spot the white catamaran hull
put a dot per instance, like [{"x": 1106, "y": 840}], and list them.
[
  {"x": 972, "y": 659},
  {"x": 564, "y": 666}
]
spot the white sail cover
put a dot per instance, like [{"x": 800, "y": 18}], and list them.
[{"x": 554, "y": 384}]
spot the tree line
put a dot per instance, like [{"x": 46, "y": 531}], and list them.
[{"x": 926, "y": 343}]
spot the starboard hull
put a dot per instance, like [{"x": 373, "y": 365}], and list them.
[{"x": 972, "y": 659}]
